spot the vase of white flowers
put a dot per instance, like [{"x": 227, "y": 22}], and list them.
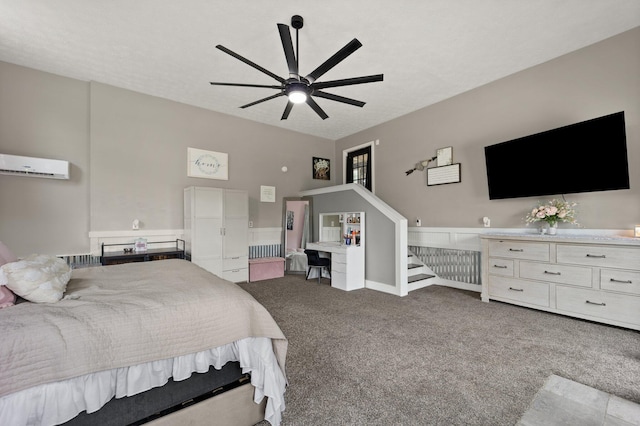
[{"x": 553, "y": 212}]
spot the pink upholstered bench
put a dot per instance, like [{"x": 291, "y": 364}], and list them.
[{"x": 265, "y": 268}]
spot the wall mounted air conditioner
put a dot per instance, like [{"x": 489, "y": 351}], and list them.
[{"x": 33, "y": 167}]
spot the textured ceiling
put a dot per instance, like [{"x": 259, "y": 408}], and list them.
[{"x": 427, "y": 50}]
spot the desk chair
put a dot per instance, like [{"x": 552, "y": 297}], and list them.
[{"x": 315, "y": 261}]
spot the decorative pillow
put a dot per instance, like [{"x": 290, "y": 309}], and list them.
[
  {"x": 6, "y": 254},
  {"x": 7, "y": 298},
  {"x": 37, "y": 278}
]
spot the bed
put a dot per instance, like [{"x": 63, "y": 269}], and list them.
[{"x": 132, "y": 329}]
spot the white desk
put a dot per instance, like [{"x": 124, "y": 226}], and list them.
[{"x": 347, "y": 264}]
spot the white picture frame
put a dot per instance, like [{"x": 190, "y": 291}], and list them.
[
  {"x": 444, "y": 174},
  {"x": 207, "y": 164},
  {"x": 267, "y": 194},
  {"x": 444, "y": 156}
]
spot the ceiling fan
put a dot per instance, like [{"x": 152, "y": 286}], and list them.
[{"x": 297, "y": 88}]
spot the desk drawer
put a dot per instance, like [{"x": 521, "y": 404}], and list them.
[
  {"x": 562, "y": 274},
  {"x": 502, "y": 267},
  {"x": 519, "y": 290},
  {"x": 338, "y": 267},
  {"x": 600, "y": 304},
  {"x": 620, "y": 281},
  {"x": 338, "y": 258},
  {"x": 607, "y": 257},
  {"x": 519, "y": 250}
]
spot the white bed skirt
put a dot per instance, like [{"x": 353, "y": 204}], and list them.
[{"x": 56, "y": 403}]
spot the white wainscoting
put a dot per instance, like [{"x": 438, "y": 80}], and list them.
[
  {"x": 469, "y": 238},
  {"x": 257, "y": 237},
  {"x": 97, "y": 238},
  {"x": 265, "y": 236}
]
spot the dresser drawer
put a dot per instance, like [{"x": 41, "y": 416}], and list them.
[
  {"x": 599, "y": 304},
  {"x": 502, "y": 267},
  {"x": 562, "y": 274},
  {"x": 621, "y": 281},
  {"x": 236, "y": 275},
  {"x": 519, "y": 250},
  {"x": 229, "y": 263},
  {"x": 608, "y": 257},
  {"x": 519, "y": 290}
]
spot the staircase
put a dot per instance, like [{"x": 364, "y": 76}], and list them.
[{"x": 418, "y": 275}]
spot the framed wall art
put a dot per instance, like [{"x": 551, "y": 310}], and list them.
[
  {"x": 207, "y": 164},
  {"x": 321, "y": 168},
  {"x": 267, "y": 194},
  {"x": 444, "y": 174},
  {"x": 444, "y": 156}
]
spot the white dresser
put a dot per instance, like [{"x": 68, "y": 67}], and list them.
[{"x": 593, "y": 278}]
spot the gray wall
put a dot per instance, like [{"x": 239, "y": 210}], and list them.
[
  {"x": 139, "y": 159},
  {"x": 128, "y": 155},
  {"x": 128, "y": 150},
  {"x": 380, "y": 260},
  {"x": 591, "y": 82},
  {"x": 47, "y": 116}
]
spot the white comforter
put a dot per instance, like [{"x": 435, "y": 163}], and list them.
[{"x": 170, "y": 313}]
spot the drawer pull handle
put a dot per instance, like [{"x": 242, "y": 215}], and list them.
[
  {"x": 599, "y": 256},
  {"x": 620, "y": 281},
  {"x": 500, "y": 266},
  {"x": 553, "y": 273},
  {"x": 235, "y": 270},
  {"x": 596, "y": 303},
  {"x": 516, "y": 249},
  {"x": 515, "y": 289}
]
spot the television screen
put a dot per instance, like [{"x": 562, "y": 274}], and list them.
[{"x": 582, "y": 157}]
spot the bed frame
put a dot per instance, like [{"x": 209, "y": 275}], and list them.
[{"x": 197, "y": 399}]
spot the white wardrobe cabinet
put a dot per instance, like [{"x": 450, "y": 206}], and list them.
[{"x": 216, "y": 231}]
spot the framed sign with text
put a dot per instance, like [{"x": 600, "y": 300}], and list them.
[{"x": 207, "y": 164}]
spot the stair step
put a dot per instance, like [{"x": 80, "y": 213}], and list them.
[
  {"x": 414, "y": 265},
  {"x": 419, "y": 277}
]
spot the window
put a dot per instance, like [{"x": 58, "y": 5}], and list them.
[{"x": 358, "y": 167}]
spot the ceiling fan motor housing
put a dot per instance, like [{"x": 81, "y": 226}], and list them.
[{"x": 297, "y": 22}]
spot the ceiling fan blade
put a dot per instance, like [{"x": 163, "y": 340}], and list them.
[
  {"x": 337, "y": 98},
  {"x": 287, "y": 44},
  {"x": 317, "y": 108},
  {"x": 245, "y": 85},
  {"x": 339, "y": 56},
  {"x": 348, "y": 81},
  {"x": 287, "y": 110},
  {"x": 248, "y": 62},
  {"x": 268, "y": 98}
]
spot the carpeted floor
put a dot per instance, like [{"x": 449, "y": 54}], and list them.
[{"x": 439, "y": 356}]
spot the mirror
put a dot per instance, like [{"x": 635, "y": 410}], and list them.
[
  {"x": 297, "y": 230},
  {"x": 330, "y": 225}
]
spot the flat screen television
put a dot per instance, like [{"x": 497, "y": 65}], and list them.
[{"x": 583, "y": 157}]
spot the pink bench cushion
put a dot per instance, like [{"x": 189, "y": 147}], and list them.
[{"x": 265, "y": 268}]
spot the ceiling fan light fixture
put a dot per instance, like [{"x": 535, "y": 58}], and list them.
[
  {"x": 297, "y": 96},
  {"x": 296, "y": 91}
]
